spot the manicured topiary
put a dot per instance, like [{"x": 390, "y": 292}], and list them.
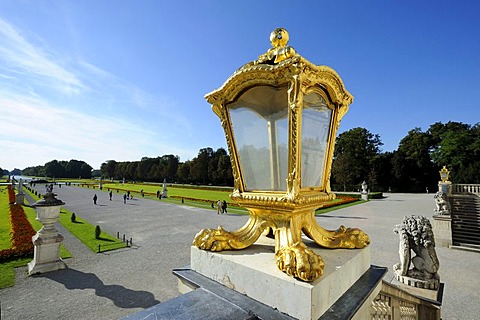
[{"x": 97, "y": 232}]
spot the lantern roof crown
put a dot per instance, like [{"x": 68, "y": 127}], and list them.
[{"x": 277, "y": 67}]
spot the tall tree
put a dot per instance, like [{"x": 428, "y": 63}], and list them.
[
  {"x": 171, "y": 166},
  {"x": 354, "y": 152},
  {"x": 183, "y": 172},
  {"x": 143, "y": 169},
  {"x": 200, "y": 164},
  {"x": 37, "y": 171},
  {"x": 75, "y": 168},
  {"x": 219, "y": 168},
  {"x": 108, "y": 169},
  {"x": 457, "y": 146},
  {"x": 54, "y": 169},
  {"x": 224, "y": 171},
  {"x": 381, "y": 177},
  {"x": 412, "y": 163}
]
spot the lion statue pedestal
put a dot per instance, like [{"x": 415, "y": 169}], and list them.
[{"x": 416, "y": 236}]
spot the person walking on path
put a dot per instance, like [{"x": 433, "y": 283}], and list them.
[
  {"x": 219, "y": 206},
  {"x": 224, "y": 206},
  {"x": 95, "y": 199},
  {"x": 110, "y": 194},
  {"x": 124, "y": 198}
]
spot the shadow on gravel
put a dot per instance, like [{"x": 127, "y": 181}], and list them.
[
  {"x": 105, "y": 239},
  {"x": 120, "y": 296}
]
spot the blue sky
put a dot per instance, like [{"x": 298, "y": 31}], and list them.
[{"x": 99, "y": 80}]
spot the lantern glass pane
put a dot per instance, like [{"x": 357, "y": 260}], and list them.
[
  {"x": 316, "y": 117},
  {"x": 260, "y": 127}
]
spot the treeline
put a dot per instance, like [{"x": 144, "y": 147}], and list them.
[
  {"x": 414, "y": 166},
  {"x": 208, "y": 167},
  {"x": 60, "y": 169}
]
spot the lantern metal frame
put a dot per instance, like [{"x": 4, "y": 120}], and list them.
[
  {"x": 288, "y": 212},
  {"x": 444, "y": 174}
]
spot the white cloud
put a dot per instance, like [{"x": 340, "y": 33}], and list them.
[
  {"x": 23, "y": 57},
  {"x": 35, "y": 125},
  {"x": 90, "y": 115}
]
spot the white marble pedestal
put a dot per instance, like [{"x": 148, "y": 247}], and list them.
[
  {"x": 253, "y": 272},
  {"x": 20, "y": 198},
  {"x": 46, "y": 256},
  {"x": 442, "y": 228}
]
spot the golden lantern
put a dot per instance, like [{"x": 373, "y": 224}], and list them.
[
  {"x": 444, "y": 174},
  {"x": 280, "y": 114}
]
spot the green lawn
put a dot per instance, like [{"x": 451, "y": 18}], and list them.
[
  {"x": 203, "y": 194},
  {"x": 345, "y": 205},
  {"x": 4, "y": 219},
  {"x": 85, "y": 231},
  {"x": 7, "y": 272},
  {"x": 204, "y": 197}
]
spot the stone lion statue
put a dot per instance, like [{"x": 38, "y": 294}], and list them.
[
  {"x": 443, "y": 207},
  {"x": 416, "y": 236}
]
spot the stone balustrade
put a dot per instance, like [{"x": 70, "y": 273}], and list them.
[
  {"x": 395, "y": 303},
  {"x": 466, "y": 188}
]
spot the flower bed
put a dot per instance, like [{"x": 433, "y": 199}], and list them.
[
  {"x": 343, "y": 200},
  {"x": 11, "y": 195},
  {"x": 21, "y": 232}
]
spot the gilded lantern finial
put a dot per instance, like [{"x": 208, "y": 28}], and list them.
[
  {"x": 279, "y": 38},
  {"x": 280, "y": 50}
]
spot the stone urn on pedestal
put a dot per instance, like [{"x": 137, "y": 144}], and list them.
[
  {"x": 47, "y": 240},
  {"x": 364, "y": 191},
  {"x": 164, "y": 190},
  {"x": 20, "y": 196}
]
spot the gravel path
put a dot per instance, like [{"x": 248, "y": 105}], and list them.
[{"x": 115, "y": 284}]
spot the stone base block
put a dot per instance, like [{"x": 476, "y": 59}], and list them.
[
  {"x": 253, "y": 272},
  {"x": 431, "y": 294},
  {"x": 46, "y": 254},
  {"x": 20, "y": 198},
  {"x": 442, "y": 229},
  {"x": 35, "y": 267},
  {"x": 430, "y": 284}
]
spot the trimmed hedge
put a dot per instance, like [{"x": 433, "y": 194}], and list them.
[
  {"x": 343, "y": 200},
  {"x": 371, "y": 195}
]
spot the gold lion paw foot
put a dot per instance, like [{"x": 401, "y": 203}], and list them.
[
  {"x": 352, "y": 238},
  {"x": 213, "y": 239},
  {"x": 300, "y": 262}
]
